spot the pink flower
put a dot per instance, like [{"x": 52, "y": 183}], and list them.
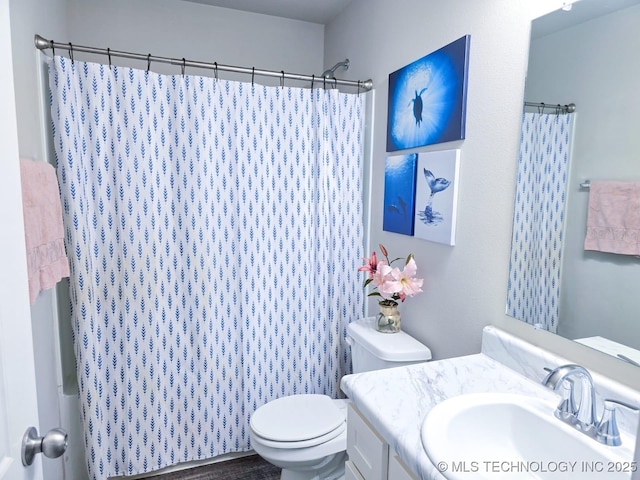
[
  {"x": 403, "y": 282},
  {"x": 381, "y": 279},
  {"x": 391, "y": 283},
  {"x": 371, "y": 265}
]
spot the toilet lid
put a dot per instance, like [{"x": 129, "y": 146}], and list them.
[{"x": 297, "y": 417}]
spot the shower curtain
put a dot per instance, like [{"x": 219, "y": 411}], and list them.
[
  {"x": 538, "y": 228},
  {"x": 214, "y": 230}
]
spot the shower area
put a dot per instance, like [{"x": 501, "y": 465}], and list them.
[
  {"x": 214, "y": 227},
  {"x": 535, "y": 267}
]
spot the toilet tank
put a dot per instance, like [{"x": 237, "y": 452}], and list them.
[{"x": 373, "y": 350}]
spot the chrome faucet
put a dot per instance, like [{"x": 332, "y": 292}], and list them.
[{"x": 583, "y": 416}]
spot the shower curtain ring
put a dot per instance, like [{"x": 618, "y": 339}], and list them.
[
  {"x": 215, "y": 70},
  {"x": 313, "y": 79},
  {"x": 71, "y": 52},
  {"x": 335, "y": 83},
  {"x": 53, "y": 49},
  {"x": 109, "y": 56},
  {"x": 149, "y": 63},
  {"x": 184, "y": 66},
  {"x": 282, "y": 79},
  {"x": 324, "y": 83},
  {"x": 253, "y": 75},
  {"x": 358, "y": 87}
]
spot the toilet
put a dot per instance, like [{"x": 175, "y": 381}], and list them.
[{"x": 306, "y": 435}]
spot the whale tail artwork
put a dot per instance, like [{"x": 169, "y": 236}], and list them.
[
  {"x": 435, "y": 185},
  {"x": 436, "y": 196}
]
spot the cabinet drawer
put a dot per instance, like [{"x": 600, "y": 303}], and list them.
[
  {"x": 351, "y": 472},
  {"x": 397, "y": 469},
  {"x": 366, "y": 449}
]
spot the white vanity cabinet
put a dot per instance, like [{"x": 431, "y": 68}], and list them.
[{"x": 370, "y": 457}]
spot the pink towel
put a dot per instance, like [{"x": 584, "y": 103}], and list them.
[
  {"x": 613, "y": 219},
  {"x": 44, "y": 235}
]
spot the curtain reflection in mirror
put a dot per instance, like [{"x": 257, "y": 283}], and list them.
[{"x": 536, "y": 253}]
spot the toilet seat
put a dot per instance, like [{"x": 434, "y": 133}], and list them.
[
  {"x": 312, "y": 442},
  {"x": 297, "y": 421}
]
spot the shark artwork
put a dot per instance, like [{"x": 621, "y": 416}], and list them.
[
  {"x": 399, "y": 193},
  {"x": 399, "y": 207}
]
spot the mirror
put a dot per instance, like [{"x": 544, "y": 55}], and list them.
[{"x": 588, "y": 56}]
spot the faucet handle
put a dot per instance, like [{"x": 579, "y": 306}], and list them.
[
  {"x": 607, "y": 429},
  {"x": 567, "y": 409}
]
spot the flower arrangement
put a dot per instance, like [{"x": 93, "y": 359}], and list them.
[{"x": 391, "y": 283}]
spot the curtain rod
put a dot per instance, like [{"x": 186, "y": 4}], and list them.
[
  {"x": 44, "y": 44},
  {"x": 570, "y": 108}
]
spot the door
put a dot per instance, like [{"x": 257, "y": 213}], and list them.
[{"x": 18, "y": 404}]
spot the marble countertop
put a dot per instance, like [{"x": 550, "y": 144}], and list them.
[{"x": 397, "y": 400}]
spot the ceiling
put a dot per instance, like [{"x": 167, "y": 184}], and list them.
[
  {"x": 315, "y": 11},
  {"x": 323, "y": 11}
]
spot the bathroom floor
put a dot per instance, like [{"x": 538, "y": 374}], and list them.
[{"x": 246, "y": 468}]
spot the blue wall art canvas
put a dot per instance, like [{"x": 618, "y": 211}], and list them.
[
  {"x": 437, "y": 196},
  {"x": 399, "y": 193},
  {"x": 427, "y": 98}
]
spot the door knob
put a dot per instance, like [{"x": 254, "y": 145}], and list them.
[{"x": 53, "y": 444}]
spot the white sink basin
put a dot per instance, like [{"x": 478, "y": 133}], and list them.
[{"x": 487, "y": 435}]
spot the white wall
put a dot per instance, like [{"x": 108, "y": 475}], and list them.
[
  {"x": 172, "y": 28},
  {"x": 29, "y": 17},
  {"x": 465, "y": 285},
  {"x": 589, "y": 66}
]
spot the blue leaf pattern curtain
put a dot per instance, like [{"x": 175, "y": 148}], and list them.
[
  {"x": 536, "y": 249},
  {"x": 214, "y": 230}
]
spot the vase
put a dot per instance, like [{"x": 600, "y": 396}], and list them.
[{"x": 389, "y": 317}]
